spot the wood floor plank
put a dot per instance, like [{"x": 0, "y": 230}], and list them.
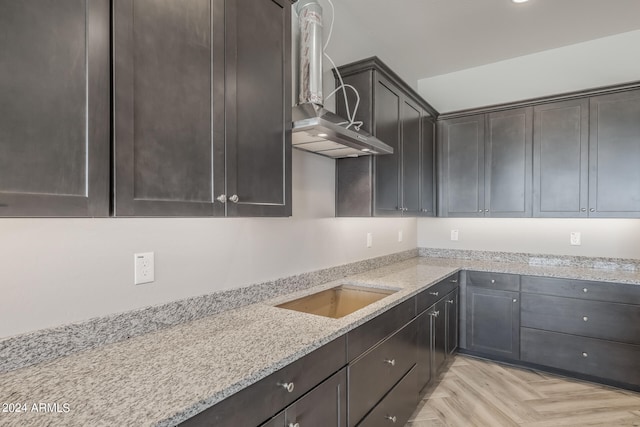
[{"x": 475, "y": 392}]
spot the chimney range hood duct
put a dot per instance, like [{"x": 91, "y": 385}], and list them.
[{"x": 314, "y": 128}]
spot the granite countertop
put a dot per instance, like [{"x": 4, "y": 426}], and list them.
[{"x": 165, "y": 377}]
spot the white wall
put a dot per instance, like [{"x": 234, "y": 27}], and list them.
[
  {"x": 57, "y": 271},
  {"x": 613, "y": 238},
  {"x": 601, "y": 62}
]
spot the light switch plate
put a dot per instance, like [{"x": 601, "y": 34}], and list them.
[
  {"x": 454, "y": 234},
  {"x": 399, "y": 236},
  {"x": 144, "y": 268},
  {"x": 369, "y": 240}
]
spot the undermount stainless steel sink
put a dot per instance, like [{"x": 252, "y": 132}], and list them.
[{"x": 338, "y": 301}]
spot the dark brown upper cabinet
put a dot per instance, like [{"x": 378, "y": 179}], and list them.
[
  {"x": 54, "y": 117},
  {"x": 202, "y": 108},
  {"x": 614, "y": 155},
  {"x": 398, "y": 184},
  {"x": 485, "y": 164},
  {"x": 561, "y": 159}
]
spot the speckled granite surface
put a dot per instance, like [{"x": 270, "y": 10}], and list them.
[
  {"x": 164, "y": 377},
  {"x": 49, "y": 344}
]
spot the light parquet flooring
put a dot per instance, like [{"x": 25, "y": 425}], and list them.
[{"x": 475, "y": 392}]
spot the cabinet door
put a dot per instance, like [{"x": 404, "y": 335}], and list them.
[
  {"x": 462, "y": 167},
  {"x": 54, "y": 114},
  {"x": 325, "y": 405},
  {"x": 438, "y": 336},
  {"x": 411, "y": 138},
  {"x": 451, "y": 312},
  {"x": 427, "y": 166},
  {"x": 560, "y": 159},
  {"x": 493, "y": 322},
  {"x": 423, "y": 361},
  {"x": 387, "y": 167},
  {"x": 614, "y": 155},
  {"x": 169, "y": 107},
  {"x": 508, "y": 163},
  {"x": 258, "y": 107}
]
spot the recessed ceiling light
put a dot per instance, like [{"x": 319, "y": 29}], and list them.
[{"x": 519, "y": 1}]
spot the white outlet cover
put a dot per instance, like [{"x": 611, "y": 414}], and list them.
[
  {"x": 575, "y": 238},
  {"x": 369, "y": 240},
  {"x": 454, "y": 234},
  {"x": 399, "y": 236},
  {"x": 144, "y": 271}
]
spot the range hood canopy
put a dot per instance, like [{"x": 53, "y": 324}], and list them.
[{"x": 316, "y": 129}]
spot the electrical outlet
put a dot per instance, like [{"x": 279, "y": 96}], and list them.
[
  {"x": 575, "y": 238},
  {"x": 454, "y": 234},
  {"x": 369, "y": 240},
  {"x": 144, "y": 268},
  {"x": 399, "y": 235}
]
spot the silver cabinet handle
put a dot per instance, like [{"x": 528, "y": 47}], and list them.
[
  {"x": 515, "y": 300},
  {"x": 585, "y": 318},
  {"x": 435, "y": 313},
  {"x": 486, "y": 210},
  {"x": 453, "y": 281},
  {"x": 287, "y": 386},
  {"x": 583, "y": 209},
  {"x": 391, "y": 362},
  {"x": 234, "y": 198},
  {"x": 222, "y": 198},
  {"x": 493, "y": 280},
  {"x": 480, "y": 211},
  {"x": 391, "y": 418},
  {"x": 592, "y": 210},
  {"x": 450, "y": 301},
  {"x": 294, "y": 425},
  {"x": 584, "y": 354},
  {"x": 435, "y": 294},
  {"x": 585, "y": 290}
]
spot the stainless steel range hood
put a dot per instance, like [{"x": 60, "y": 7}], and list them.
[{"x": 316, "y": 129}]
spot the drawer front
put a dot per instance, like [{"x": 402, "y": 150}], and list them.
[
  {"x": 267, "y": 397},
  {"x": 605, "y": 320},
  {"x": 397, "y": 406},
  {"x": 590, "y": 356},
  {"x": 499, "y": 281},
  {"x": 583, "y": 289},
  {"x": 431, "y": 295},
  {"x": 375, "y": 330},
  {"x": 376, "y": 372}
]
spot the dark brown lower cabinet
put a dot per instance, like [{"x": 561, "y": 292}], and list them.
[
  {"x": 325, "y": 405},
  {"x": 397, "y": 406}
]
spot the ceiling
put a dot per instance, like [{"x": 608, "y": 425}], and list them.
[{"x": 425, "y": 38}]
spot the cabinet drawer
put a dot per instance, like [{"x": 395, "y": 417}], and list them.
[
  {"x": 590, "y": 356},
  {"x": 583, "y": 289},
  {"x": 596, "y": 319},
  {"x": 499, "y": 281},
  {"x": 375, "y": 373},
  {"x": 431, "y": 295},
  {"x": 375, "y": 330},
  {"x": 267, "y": 397},
  {"x": 397, "y": 406}
]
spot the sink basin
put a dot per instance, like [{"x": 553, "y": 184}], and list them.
[{"x": 338, "y": 301}]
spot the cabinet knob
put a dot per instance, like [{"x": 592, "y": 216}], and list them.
[
  {"x": 234, "y": 198},
  {"x": 585, "y": 318},
  {"x": 584, "y": 354},
  {"x": 453, "y": 281},
  {"x": 435, "y": 294},
  {"x": 391, "y": 362},
  {"x": 287, "y": 386},
  {"x": 592, "y": 210},
  {"x": 585, "y": 290},
  {"x": 515, "y": 300},
  {"x": 391, "y": 418},
  {"x": 493, "y": 280},
  {"x": 435, "y": 313},
  {"x": 583, "y": 209},
  {"x": 480, "y": 211},
  {"x": 294, "y": 425},
  {"x": 450, "y": 301},
  {"x": 222, "y": 198},
  {"x": 486, "y": 210}
]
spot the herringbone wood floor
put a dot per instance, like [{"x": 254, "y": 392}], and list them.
[{"x": 474, "y": 392}]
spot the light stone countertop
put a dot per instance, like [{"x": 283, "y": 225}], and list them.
[{"x": 165, "y": 377}]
